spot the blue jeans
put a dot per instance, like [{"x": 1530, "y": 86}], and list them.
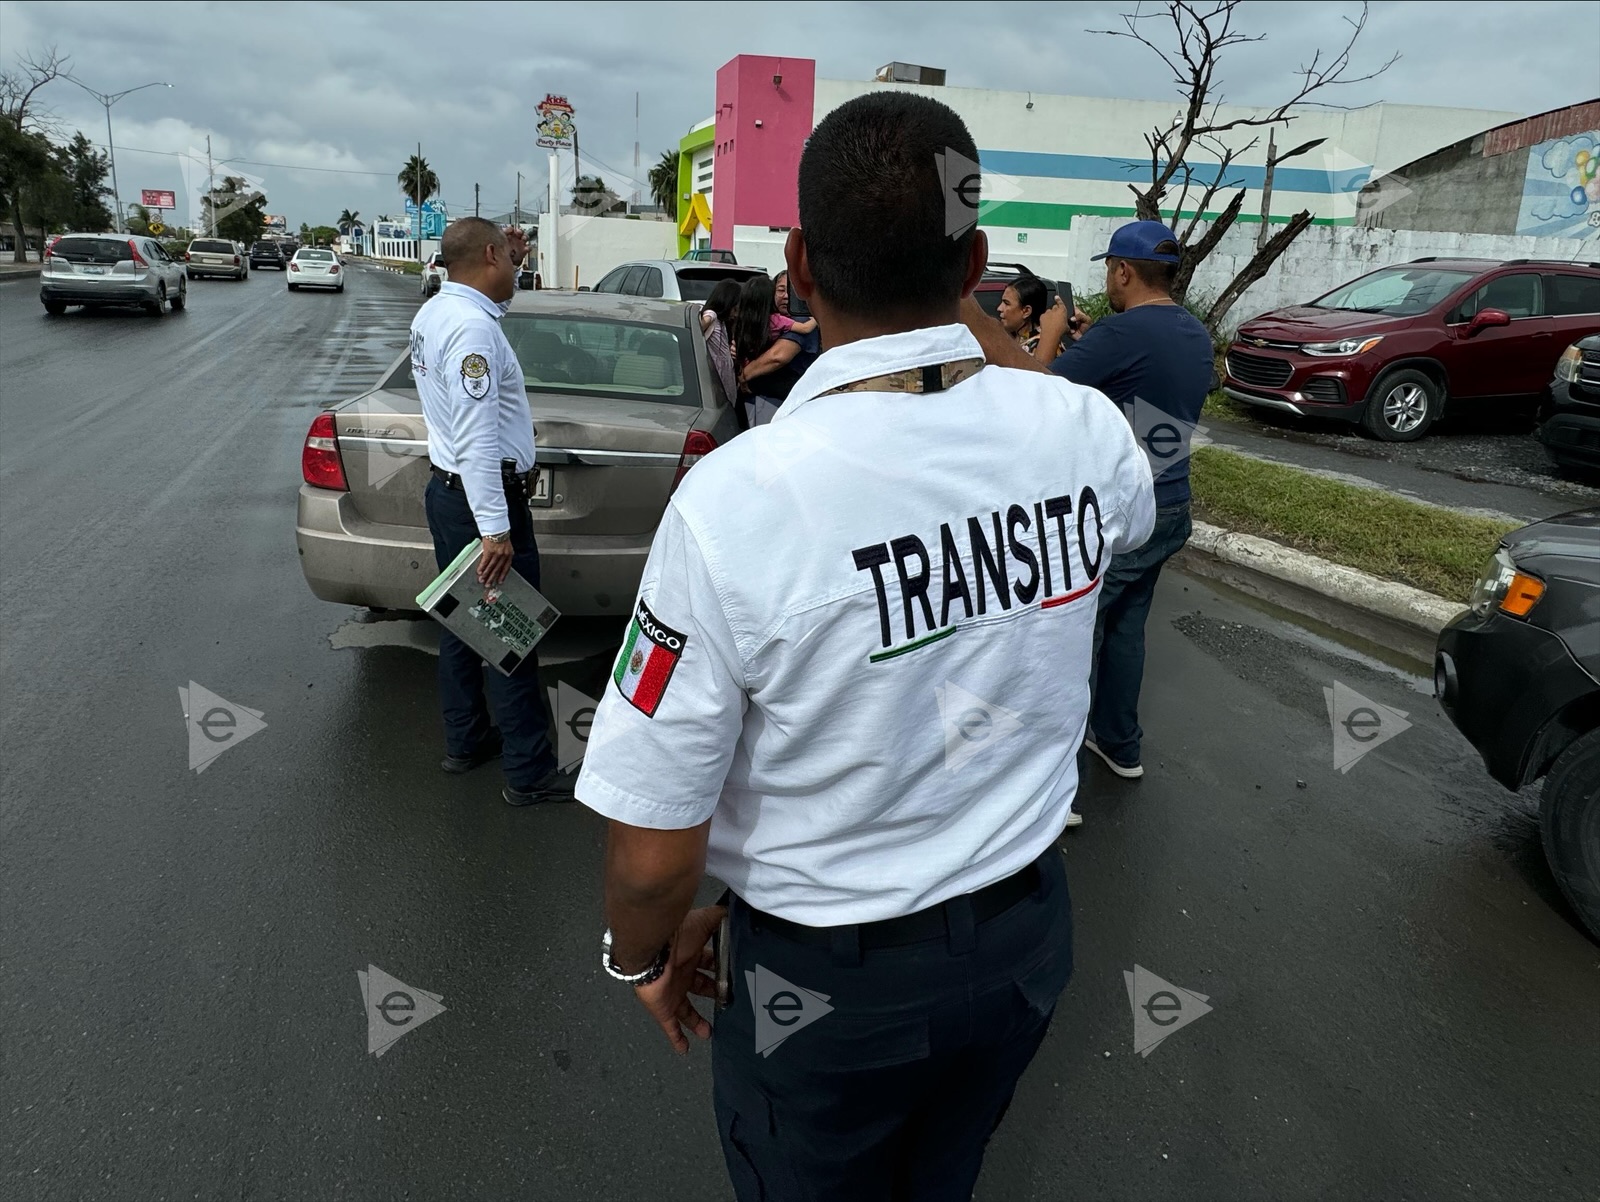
[
  {"x": 517, "y": 699},
  {"x": 1118, "y": 663},
  {"x": 895, "y": 1092}
]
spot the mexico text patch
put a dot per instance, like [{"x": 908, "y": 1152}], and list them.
[{"x": 649, "y": 654}]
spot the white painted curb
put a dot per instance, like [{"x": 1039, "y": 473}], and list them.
[{"x": 1398, "y": 602}]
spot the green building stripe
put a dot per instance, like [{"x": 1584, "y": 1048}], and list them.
[{"x": 1035, "y": 215}]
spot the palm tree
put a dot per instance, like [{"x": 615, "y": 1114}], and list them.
[
  {"x": 663, "y": 181},
  {"x": 417, "y": 180},
  {"x": 348, "y": 218}
]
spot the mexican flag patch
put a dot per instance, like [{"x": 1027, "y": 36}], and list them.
[{"x": 649, "y": 654}]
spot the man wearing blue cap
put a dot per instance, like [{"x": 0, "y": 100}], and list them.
[{"x": 1155, "y": 360}]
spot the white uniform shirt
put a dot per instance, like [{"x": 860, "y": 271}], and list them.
[
  {"x": 862, "y": 640},
  {"x": 474, "y": 397}
]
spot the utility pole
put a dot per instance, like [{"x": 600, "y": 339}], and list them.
[
  {"x": 419, "y": 201},
  {"x": 516, "y": 217},
  {"x": 475, "y": 205},
  {"x": 636, "y": 146}
]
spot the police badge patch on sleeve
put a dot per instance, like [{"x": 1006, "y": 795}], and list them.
[
  {"x": 649, "y": 654},
  {"x": 475, "y": 376}
]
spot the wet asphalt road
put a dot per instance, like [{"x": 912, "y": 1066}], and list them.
[{"x": 1402, "y": 1007}]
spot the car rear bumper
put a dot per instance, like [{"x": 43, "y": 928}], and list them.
[
  {"x": 214, "y": 268},
  {"x": 352, "y": 561},
  {"x": 97, "y": 294},
  {"x": 1571, "y": 434},
  {"x": 1501, "y": 680},
  {"x": 316, "y": 281}
]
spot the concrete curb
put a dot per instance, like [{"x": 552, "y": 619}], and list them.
[
  {"x": 1402, "y": 619},
  {"x": 24, "y": 273}
]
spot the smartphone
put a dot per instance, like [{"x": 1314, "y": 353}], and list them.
[
  {"x": 1064, "y": 291},
  {"x": 722, "y": 948}
]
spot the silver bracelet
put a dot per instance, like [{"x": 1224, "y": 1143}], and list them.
[{"x": 652, "y": 972}]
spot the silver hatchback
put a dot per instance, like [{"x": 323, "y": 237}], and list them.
[
  {"x": 111, "y": 269},
  {"x": 623, "y": 406}
]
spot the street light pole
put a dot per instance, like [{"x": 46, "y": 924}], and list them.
[{"x": 107, "y": 100}]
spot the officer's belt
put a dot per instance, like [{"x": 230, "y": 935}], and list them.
[
  {"x": 989, "y": 902},
  {"x": 520, "y": 480},
  {"x": 935, "y": 377}
]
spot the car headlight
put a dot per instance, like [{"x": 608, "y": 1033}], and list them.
[
  {"x": 1567, "y": 366},
  {"x": 1502, "y": 586},
  {"x": 1349, "y": 346}
]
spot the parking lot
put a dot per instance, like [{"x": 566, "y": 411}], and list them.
[{"x": 1401, "y": 1005}]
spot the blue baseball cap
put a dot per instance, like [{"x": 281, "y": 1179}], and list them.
[{"x": 1138, "y": 240}]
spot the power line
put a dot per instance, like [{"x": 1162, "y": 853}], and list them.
[{"x": 180, "y": 154}]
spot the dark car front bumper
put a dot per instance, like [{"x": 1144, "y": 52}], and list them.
[
  {"x": 1571, "y": 434},
  {"x": 1305, "y": 385},
  {"x": 1501, "y": 680}
]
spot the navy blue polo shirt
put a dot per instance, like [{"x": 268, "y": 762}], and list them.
[{"x": 1159, "y": 353}]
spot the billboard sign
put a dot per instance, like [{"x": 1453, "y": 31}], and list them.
[
  {"x": 557, "y": 124},
  {"x": 152, "y": 198},
  {"x": 275, "y": 223},
  {"x": 392, "y": 231},
  {"x": 434, "y": 219}
]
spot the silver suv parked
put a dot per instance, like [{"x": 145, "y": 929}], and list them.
[
  {"x": 111, "y": 269},
  {"x": 672, "y": 279}
]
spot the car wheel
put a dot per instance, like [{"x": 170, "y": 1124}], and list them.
[
  {"x": 191, "y": 275},
  {"x": 1569, "y": 819},
  {"x": 182, "y": 299},
  {"x": 55, "y": 308},
  {"x": 340, "y": 288},
  {"x": 294, "y": 287},
  {"x": 1401, "y": 406},
  {"x": 154, "y": 307}
]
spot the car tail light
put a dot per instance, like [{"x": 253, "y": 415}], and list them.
[
  {"x": 334, "y": 270},
  {"x": 320, "y": 462},
  {"x": 696, "y": 447},
  {"x": 293, "y": 266},
  {"x": 186, "y": 257},
  {"x": 235, "y": 260},
  {"x": 137, "y": 257}
]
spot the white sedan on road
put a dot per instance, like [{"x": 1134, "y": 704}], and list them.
[{"x": 315, "y": 269}]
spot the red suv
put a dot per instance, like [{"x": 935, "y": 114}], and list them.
[{"x": 1390, "y": 348}]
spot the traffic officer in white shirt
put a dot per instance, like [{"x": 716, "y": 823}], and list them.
[
  {"x": 480, "y": 444},
  {"x": 854, "y": 688}
]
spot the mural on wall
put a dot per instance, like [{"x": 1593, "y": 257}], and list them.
[{"x": 1561, "y": 190}]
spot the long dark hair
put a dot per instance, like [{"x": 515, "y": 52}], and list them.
[
  {"x": 1032, "y": 294},
  {"x": 753, "y": 330},
  {"x": 724, "y": 302}
]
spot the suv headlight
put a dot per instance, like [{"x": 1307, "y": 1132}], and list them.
[
  {"x": 1502, "y": 586},
  {"x": 1349, "y": 346},
  {"x": 1567, "y": 366}
]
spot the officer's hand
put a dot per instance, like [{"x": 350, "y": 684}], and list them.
[
  {"x": 519, "y": 243},
  {"x": 1053, "y": 325},
  {"x": 690, "y": 969},
  {"x": 495, "y": 562}
]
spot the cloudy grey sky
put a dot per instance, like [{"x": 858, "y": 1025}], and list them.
[{"x": 351, "y": 88}]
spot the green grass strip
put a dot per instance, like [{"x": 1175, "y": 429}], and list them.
[
  {"x": 922, "y": 642},
  {"x": 1434, "y": 549}
]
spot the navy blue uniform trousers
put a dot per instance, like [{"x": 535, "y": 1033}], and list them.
[
  {"x": 518, "y": 706},
  {"x": 893, "y": 1094}
]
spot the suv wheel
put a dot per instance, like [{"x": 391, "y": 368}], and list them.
[
  {"x": 55, "y": 308},
  {"x": 182, "y": 299},
  {"x": 154, "y": 307},
  {"x": 1569, "y": 819},
  {"x": 1401, "y": 405}
]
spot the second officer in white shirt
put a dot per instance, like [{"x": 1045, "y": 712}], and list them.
[
  {"x": 480, "y": 444},
  {"x": 854, "y": 689}
]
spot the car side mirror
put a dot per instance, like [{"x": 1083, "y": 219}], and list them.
[{"x": 1484, "y": 318}]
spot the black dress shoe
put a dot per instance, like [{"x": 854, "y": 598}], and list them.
[
  {"x": 487, "y": 750},
  {"x": 555, "y": 786}
]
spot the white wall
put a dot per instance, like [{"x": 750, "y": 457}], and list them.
[
  {"x": 1320, "y": 259},
  {"x": 592, "y": 246}
]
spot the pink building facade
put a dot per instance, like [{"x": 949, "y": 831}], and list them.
[{"x": 765, "y": 110}]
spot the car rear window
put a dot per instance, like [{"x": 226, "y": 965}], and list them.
[
  {"x": 581, "y": 355},
  {"x": 696, "y": 283},
  {"x": 315, "y": 256},
  {"x": 93, "y": 250},
  {"x": 207, "y": 246}
]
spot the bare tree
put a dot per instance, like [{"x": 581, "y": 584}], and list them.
[
  {"x": 24, "y": 126},
  {"x": 1203, "y": 32}
]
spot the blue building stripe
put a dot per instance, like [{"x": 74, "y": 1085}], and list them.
[{"x": 1136, "y": 171}]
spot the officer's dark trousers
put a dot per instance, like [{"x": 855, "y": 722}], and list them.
[
  {"x": 892, "y": 1095},
  {"x": 462, "y": 674}
]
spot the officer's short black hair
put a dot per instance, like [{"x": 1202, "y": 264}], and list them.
[
  {"x": 874, "y": 210},
  {"x": 465, "y": 238}
]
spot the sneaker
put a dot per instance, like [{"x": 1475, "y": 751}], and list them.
[
  {"x": 487, "y": 750},
  {"x": 1074, "y": 818},
  {"x": 554, "y": 786},
  {"x": 1125, "y": 771}
]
